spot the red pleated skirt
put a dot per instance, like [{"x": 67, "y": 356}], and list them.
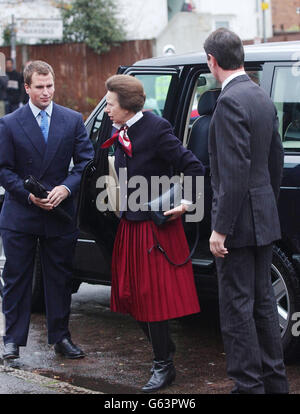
[{"x": 145, "y": 285}]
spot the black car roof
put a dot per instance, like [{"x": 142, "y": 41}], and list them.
[{"x": 273, "y": 51}]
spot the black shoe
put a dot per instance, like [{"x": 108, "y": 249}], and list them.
[
  {"x": 11, "y": 351},
  {"x": 169, "y": 358},
  {"x": 163, "y": 375},
  {"x": 68, "y": 349}
]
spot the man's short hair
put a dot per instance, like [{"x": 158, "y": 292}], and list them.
[
  {"x": 130, "y": 91},
  {"x": 226, "y": 47},
  {"x": 38, "y": 66}
]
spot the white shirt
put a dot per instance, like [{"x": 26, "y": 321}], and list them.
[
  {"x": 36, "y": 112},
  {"x": 136, "y": 117},
  {"x": 233, "y": 76}
]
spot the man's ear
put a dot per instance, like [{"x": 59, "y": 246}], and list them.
[{"x": 212, "y": 60}]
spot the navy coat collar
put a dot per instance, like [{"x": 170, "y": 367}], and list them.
[
  {"x": 34, "y": 133},
  {"x": 29, "y": 124}
]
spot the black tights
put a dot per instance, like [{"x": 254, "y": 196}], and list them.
[{"x": 158, "y": 334}]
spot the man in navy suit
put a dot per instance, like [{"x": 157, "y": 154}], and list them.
[
  {"x": 246, "y": 160},
  {"x": 40, "y": 139}
]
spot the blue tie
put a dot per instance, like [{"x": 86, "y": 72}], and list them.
[{"x": 44, "y": 124}]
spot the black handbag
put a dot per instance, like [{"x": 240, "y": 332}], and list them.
[
  {"x": 164, "y": 202},
  {"x": 171, "y": 199}
]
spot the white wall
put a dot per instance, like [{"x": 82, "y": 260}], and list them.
[
  {"x": 143, "y": 19},
  {"x": 148, "y": 19},
  {"x": 186, "y": 32},
  {"x": 245, "y": 16},
  {"x": 41, "y": 9}
]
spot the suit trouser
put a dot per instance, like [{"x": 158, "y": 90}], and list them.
[
  {"x": 249, "y": 321},
  {"x": 56, "y": 259}
]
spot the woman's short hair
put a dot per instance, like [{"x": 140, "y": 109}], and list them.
[
  {"x": 130, "y": 91},
  {"x": 38, "y": 66}
]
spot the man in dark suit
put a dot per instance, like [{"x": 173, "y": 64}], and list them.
[
  {"x": 13, "y": 87},
  {"x": 246, "y": 159},
  {"x": 40, "y": 139}
]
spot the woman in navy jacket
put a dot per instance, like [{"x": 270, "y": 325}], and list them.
[{"x": 144, "y": 283}]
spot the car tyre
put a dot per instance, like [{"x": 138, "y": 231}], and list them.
[{"x": 287, "y": 293}]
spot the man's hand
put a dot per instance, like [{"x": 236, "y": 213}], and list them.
[
  {"x": 41, "y": 202},
  {"x": 176, "y": 212},
  {"x": 57, "y": 195},
  {"x": 216, "y": 243}
]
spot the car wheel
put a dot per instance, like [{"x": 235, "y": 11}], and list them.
[{"x": 287, "y": 293}]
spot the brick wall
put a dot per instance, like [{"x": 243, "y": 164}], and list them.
[
  {"x": 80, "y": 73},
  {"x": 284, "y": 15}
]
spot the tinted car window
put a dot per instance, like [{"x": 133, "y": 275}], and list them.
[
  {"x": 96, "y": 126},
  {"x": 156, "y": 88},
  {"x": 286, "y": 96},
  {"x": 205, "y": 82}
]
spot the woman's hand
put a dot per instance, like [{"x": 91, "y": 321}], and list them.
[{"x": 176, "y": 212}]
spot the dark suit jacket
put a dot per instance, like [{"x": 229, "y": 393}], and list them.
[
  {"x": 24, "y": 152},
  {"x": 246, "y": 158},
  {"x": 156, "y": 152}
]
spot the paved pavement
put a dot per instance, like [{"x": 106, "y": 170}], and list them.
[
  {"x": 16, "y": 381},
  {"x": 19, "y": 381},
  {"x": 118, "y": 356}
]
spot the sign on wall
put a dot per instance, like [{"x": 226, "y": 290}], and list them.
[{"x": 38, "y": 29}]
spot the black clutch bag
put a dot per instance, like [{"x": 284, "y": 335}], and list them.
[
  {"x": 32, "y": 185},
  {"x": 166, "y": 201}
]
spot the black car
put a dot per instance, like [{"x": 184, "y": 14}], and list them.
[{"x": 181, "y": 89}]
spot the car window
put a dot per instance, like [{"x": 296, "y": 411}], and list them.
[
  {"x": 255, "y": 75},
  {"x": 156, "y": 89},
  {"x": 205, "y": 82},
  {"x": 286, "y": 97},
  {"x": 95, "y": 126},
  {"x": 196, "y": 127}
]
